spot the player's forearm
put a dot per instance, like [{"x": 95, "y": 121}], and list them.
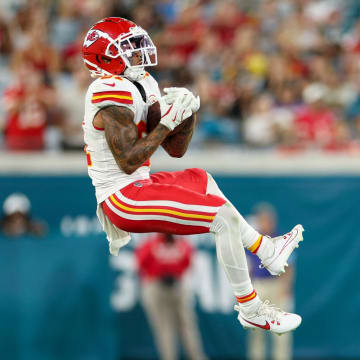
[
  {"x": 177, "y": 145},
  {"x": 143, "y": 148},
  {"x": 122, "y": 137}
]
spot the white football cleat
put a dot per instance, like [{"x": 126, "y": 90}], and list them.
[
  {"x": 284, "y": 246},
  {"x": 270, "y": 318}
]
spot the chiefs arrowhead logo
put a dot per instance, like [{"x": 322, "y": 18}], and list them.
[
  {"x": 91, "y": 37},
  {"x": 152, "y": 99}
]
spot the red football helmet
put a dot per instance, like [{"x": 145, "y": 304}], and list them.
[{"x": 110, "y": 45}]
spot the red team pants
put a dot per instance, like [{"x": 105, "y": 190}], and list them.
[{"x": 168, "y": 202}]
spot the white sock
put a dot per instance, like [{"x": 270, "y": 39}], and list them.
[
  {"x": 266, "y": 248},
  {"x": 231, "y": 255},
  {"x": 250, "y": 307}
]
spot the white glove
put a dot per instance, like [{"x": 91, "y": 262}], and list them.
[
  {"x": 173, "y": 92},
  {"x": 173, "y": 114}
]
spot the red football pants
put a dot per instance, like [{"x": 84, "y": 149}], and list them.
[{"x": 168, "y": 202}]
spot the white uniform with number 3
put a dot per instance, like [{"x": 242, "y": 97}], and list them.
[{"x": 163, "y": 202}]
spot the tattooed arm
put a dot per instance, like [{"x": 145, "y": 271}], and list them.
[
  {"x": 177, "y": 144},
  {"x": 121, "y": 134}
]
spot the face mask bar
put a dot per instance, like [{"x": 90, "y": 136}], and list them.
[{"x": 139, "y": 43}]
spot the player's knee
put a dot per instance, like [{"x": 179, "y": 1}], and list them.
[{"x": 224, "y": 219}]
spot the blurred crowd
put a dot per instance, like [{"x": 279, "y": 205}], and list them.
[{"x": 271, "y": 74}]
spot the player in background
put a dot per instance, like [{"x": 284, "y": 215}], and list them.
[
  {"x": 118, "y": 150},
  {"x": 163, "y": 261}
]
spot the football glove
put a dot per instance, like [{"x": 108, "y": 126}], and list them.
[
  {"x": 173, "y": 92},
  {"x": 173, "y": 114}
]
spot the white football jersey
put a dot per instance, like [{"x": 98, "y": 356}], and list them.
[{"x": 106, "y": 175}]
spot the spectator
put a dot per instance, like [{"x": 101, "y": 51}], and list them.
[
  {"x": 65, "y": 25},
  {"x": 208, "y": 58},
  {"x": 353, "y": 111},
  {"x": 17, "y": 220},
  {"x": 38, "y": 51},
  {"x": 144, "y": 15},
  {"x": 5, "y": 40},
  {"x": 182, "y": 38},
  {"x": 31, "y": 106},
  {"x": 163, "y": 261},
  {"x": 266, "y": 127},
  {"x": 279, "y": 289},
  {"x": 339, "y": 93},
  {"x": 226, "y": 20},
  {"x": 70, "y": 94},
  {"x": 316, "y": 125}
]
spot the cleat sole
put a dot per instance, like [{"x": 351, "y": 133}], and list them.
[{"x": 301, "y": 239}]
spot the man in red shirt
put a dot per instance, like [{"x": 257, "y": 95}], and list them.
[
  {"x": 162, "y": 262},
  {"x": 315, "y": 124},
  {"x": 26, "y": 103}
]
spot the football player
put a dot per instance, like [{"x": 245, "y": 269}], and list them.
[{"x": 130, "y": 199}]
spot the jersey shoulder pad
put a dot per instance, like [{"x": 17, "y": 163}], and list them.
[
  {"x": 112, "y": 90},
  {"x": 151, "y": 85},
  {"x": 149, "y": 79}
]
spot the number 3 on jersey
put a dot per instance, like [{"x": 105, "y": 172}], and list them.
[
  {"x": 88, "y": 156},
  {"x": 141, "y": 126},
  {"x": 141, "y": 133}
]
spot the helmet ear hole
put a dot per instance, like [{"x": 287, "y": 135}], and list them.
[{"x": 105, "y": 59}]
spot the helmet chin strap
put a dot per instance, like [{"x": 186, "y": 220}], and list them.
[
  {"x": 134, "y": 74},
  {"x": 97, "y": 71}
]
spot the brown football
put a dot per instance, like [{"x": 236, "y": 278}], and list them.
[{"x": 153, "y": 118}]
